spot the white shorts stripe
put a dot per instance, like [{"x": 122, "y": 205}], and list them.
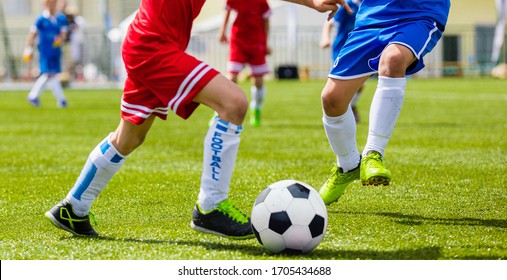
[
  {"x": 188, "y": 84},
  {"x": 135, "y": 113},
  {"x": 260, "y": 69},
  {"x": 190, "y": 87},
  {"x": 143, "y": 108},
  {"x": 234, "y": 67},
  {"x": 184, "y": 84},
  {"x": 418, "y": 55},
  {"x": 141, "y": 111}
]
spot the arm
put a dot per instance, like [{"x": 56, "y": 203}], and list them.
[
  {"x": 325, "y": 38},
  {"x": 221, "y": 33},
  {"x": 28, "y": 51},
  {"x": 324, "y": 5},
  {"x": 31, "y": 38},
  {"x": 64, "y": 30},
  {"x": 60, "y": 39}
]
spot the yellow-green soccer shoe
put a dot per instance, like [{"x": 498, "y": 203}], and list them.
[
  {"x": 255, "y": 117},
  {"x": 373, "y": 171},
  {"x": 335, "y": 186}
]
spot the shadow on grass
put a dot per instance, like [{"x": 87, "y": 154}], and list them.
[
  {"x": 256, "y": 250},
  {"x": 414, "y": 220},
  {"x": 426, "y": 253}
]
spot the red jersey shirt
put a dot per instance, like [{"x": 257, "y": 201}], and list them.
[
  {"x": 162, "y": 25},
  {"x": 248, "y": 27}
]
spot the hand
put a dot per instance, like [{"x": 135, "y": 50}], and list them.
[
  {"x": 223, "y": 39},
  {"x": 268, "y": 50},
  {"x": 324, "y": 5},
  {"x": 330, "y": 5},
  {"x": 57, "y": 42},
  {"x": 324, "y": 43},
  {"x": 27, "y": 54}
]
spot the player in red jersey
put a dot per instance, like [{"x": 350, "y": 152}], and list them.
[
  {"x": 248, "y": 45},
  {"x": 163, "y": 77}
]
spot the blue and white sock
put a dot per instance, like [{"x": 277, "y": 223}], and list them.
[
  {"x": 341, "y": 134},
  {"x": 102, "y": 163},
  {"x": 221, "y": 146},
  {"x": 384, "y": 111}
]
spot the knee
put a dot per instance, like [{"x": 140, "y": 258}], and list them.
[
  {"x": 332, "y": 104},
  {"x": 259, "y": 82},
  {"x": 234, "y": 109},
  {"x": 327, "y": 98},
  {"x": 392, "y": 64}
]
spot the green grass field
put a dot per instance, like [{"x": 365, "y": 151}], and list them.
[{"x": 447, "y": 199}]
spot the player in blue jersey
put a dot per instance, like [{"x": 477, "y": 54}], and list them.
[
  {"x": 344, "y": 23},
  {"x": 50, "y": 30},
  {"x": 390, "y": 38}
]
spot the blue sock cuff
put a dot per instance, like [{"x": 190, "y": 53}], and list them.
[
  {"x": 110, "y": 152},
  {"x": 228, "y": 127}
]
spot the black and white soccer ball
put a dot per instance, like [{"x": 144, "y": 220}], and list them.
[{"x": 289, "y": 216}]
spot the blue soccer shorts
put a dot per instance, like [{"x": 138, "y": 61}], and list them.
[
  {"x": 50, "y": 64},
  {"x": 360, "y": 56}
]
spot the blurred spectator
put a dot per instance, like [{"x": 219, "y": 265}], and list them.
[{"x": 75, "y": 38}]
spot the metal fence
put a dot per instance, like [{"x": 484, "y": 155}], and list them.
[{"x": 101, "y": 57}]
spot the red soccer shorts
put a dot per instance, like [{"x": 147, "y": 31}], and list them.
[
  {"x": 255, "y": 56},
  {"x": 159, "y": 82}
]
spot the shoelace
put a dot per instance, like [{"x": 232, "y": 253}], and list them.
[
  {"x": 230, "y": 210},
  {"x": 373, "y": 158}
]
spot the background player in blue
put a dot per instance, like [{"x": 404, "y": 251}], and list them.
[
  {"x": 51, "y": 28},
  {"x": 390, "y": 38},
  {"x": 344, "y": 23}
]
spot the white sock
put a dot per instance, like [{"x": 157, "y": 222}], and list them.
[
  {"x": 56, "y": 86},
  {"x": 102, "y": 163},
  {"x": 384, "y": 111},
  {"x": 341, "y": 134},
  {"x": 220, "y": 149},
  {"x": 38, "y": 87},
  {"x": 257, "y": 97}
]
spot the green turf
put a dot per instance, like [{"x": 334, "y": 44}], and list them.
[{"x": 447, "y": 200}]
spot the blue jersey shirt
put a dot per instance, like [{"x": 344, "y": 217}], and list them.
[
  {"x": 384, "y": 13},
  {"x": 345, "y": 23},
  {"x": 49, "y": 28}
]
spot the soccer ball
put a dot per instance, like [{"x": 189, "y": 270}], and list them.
[{"x": 289, "y": 216}]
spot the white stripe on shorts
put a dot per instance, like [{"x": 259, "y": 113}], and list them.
[
  {"x": 188, "y": 84},
  {"x": 141, "y": 111}
]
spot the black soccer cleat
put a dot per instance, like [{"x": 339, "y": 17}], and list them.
[
  {"x": 62, "y": 216},
  {"x": 225, "y": 220}
]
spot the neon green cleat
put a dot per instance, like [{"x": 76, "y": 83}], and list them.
[
  {"x": 337, "y": 183},
  {"x": 373, "y": 171},
  {"x": 225, "y": 220},
  {"x": 62, "y": 216},
  {"x": 255, "y": 117}
]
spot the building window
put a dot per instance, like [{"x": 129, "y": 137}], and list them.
[
  {"x": 451, "y": 48},
  {"x": 484, "y": 43},
  {"x": 451, "y": 56}
]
